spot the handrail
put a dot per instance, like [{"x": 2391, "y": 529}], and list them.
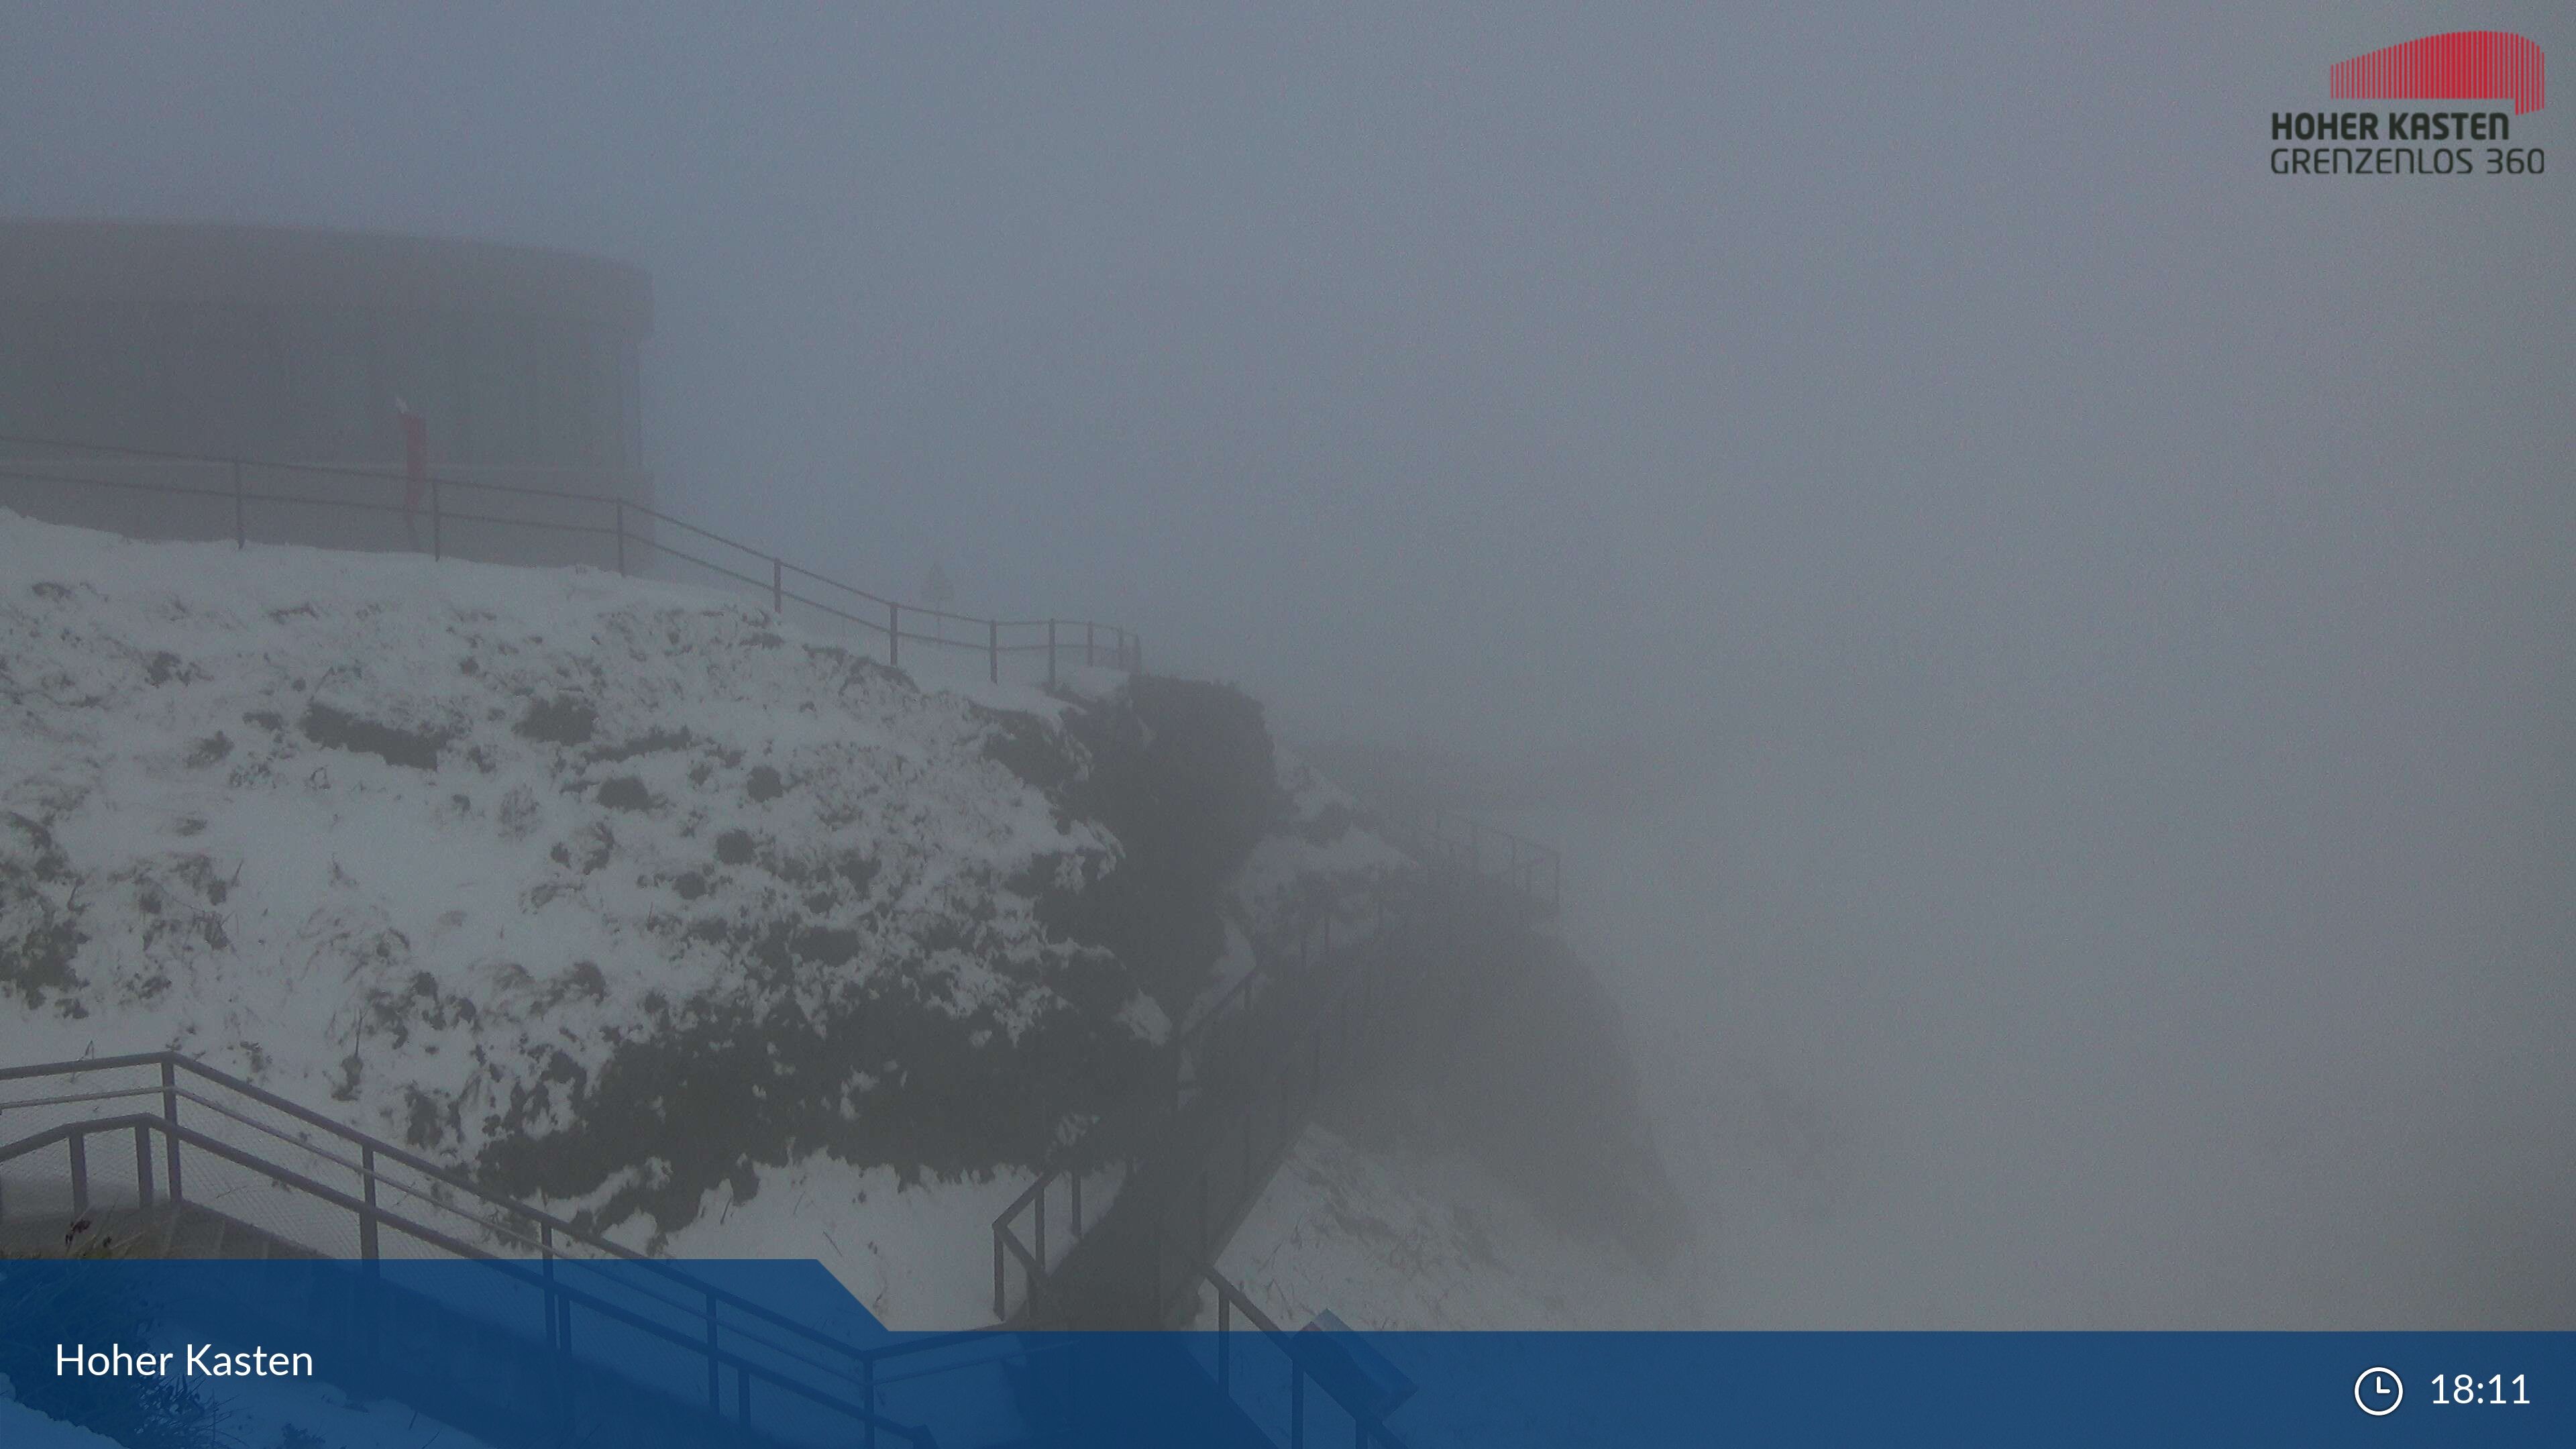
[
  {"x": 1123, "y": 646},
  {"x": 697, "y": 1288},
  {"x": 1525, "y": 863},
  {"x": 206, "y": 1142},
  {"x": 1427, "y": 829},
  {"x": 497, "y": 1229},
  {"x": 1372, "y": 1429},
  {"x": 142, "y": 1123},
  {"x": 1429, "y": 842},
  {"x": 315, "y": 1119}
]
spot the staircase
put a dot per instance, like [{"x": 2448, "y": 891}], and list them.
[
  {"x": 171, "y": 1230},
  {"x": 292, "y": 1187},
  {"x": 1250, "y": 1073},
  {"x": 511, "y": 1323},
  {"x": 507, "y": 1323},
  {"x": 611, "y": 1347}
]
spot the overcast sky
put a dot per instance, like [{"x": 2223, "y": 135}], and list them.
[{"x": 2121, "y": 597}]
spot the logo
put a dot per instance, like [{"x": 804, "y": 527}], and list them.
[
  {"x": 2459, "y": 65},
  {"x": 2465, "y": 65}
]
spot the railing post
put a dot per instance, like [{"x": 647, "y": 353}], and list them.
[
  {"x": 1090, "y": 642},
  {"x": 1225, "y": 1340},
  {"x": 170, "y": 1114},
  {"x": 1050, "y": 653},
  {"x": 777, "y": 586},
  {"x": 868, "y": 1384},
  {"x": 621, "y": 535},
  {"x": 1041, "y": 1230},
  {"x": 993, "y": 648},
  {"x": 1296, "y": 1405},
  {"x": 546, "y": 1251},
  {"x": 143, "y": 1166},
  {"x": 437, "y": 542},
  {"x": 241, "y": 535},
  {"x": 715, "y": 1393},
  {"x": 1077, "y": 1202},
  {"x": 367, "y": 1218},
  {"x": 80, "y": 1174},
  {"x": 999, "y": 1311},
  {"x": 1157, "y": 1286},
  {"x": 894, "y": 638}
]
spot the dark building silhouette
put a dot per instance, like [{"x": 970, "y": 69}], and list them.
[{"x": 293, "y": 345}]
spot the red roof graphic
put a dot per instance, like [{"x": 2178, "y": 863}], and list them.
[{"x": 2463, "y": 65}]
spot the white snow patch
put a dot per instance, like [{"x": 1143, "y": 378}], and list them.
[
  {"x": 1401, "y": 1240},
  {"x": 897, "y": 1248},
  {"x": 347, "y": 930}
]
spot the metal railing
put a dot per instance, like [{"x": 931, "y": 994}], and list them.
[
  {"x": 466, "y": 517},
  {"x": 1368, "y": 1428},
  {"x": 399, "y": 1204},
  {"x": 1520, "y": 876},
  {"x": 1536, "y": 872},
  {"x": 1246, "y": 1069},
  {"x": 1244, "y": 1118},
  {"x": 400, "y": 1198}
]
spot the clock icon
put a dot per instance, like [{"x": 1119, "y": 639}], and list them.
[{"x": 2378, "y": 1391}]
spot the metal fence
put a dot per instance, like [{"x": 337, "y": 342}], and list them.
[
  {"x": 393, "y": 1202},
  {"x": 1247, "y": 1068},
  {"x": 199, "y": 1136},
  {"x": 179, "y": 495}
]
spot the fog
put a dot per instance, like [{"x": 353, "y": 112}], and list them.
[{"x": 2046, "y": 645}]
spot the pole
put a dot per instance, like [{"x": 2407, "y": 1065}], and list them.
[
  {"x": 1050, "y": 653},
  {"x": 367, "y": 1219},
  {"x": 894, "y": 654},
  {"x": 993, "y": 649},
  {"x": 777, "y": 587},
  {"x": 170, "y": 1114},
  {"x": 715, "y": 1395},
  {"x": 546, "y": 1246}
]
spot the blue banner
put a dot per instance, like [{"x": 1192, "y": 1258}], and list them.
[{"x": 315, "y": 1354}]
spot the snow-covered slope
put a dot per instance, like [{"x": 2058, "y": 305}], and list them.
[
  {"x": 1401, "y": 1236},
  {"x": 618, "y": 892},
  {"x": 640, "y": 904}
]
